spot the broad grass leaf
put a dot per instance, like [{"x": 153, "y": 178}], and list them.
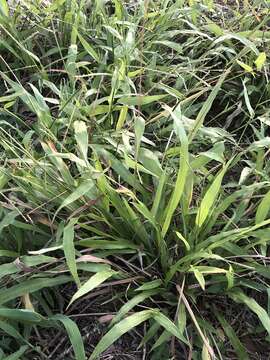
[
  {"x": 119, "y": 329},
  {"x": 21, "y": 315},
  {"x": 181, "y": 237},
  {"x": 247, "y": 101},
  {"x": 88, "y": 48},
  {"x": 30, "y": 286},
  {"x": 234, "y": 340},
  {"x": 209, "y": 198},
  {"x": 11, "y": 331},
  {"x": 207, "y": 106},
  {"x": 69, "y": 250},
  {"x": 199, "y": 276},
  {"x": 240, "y": 297},
  {"x": 150, "y": 333},
  {"x": 181, "y": 318},
  {"x": 119, "y": 167},
  {"x": 265, "y": 142},
  {"x": 246, "y": 67},
  {"x": 168, "y": 325},
  {"x": 4, "y": 9},
  {"x": 150, "y": 161},
  {"x": 137, "y": 299},
  {"x": 24, "y": 261},
  {"x": 140, "y": 100},
  {"x": 8, "y": 219},
  {"x": 92, "y": 283},
  {"x": 158, "y": 196},
  {"x": 74, "y": 335},
  {"x": 149, "y": 285},
  {"x": 171, "y": 44},
  {"x": 263, "y": 208},
  {"x": 249, "y": 44},
  {"x": 18, "y": 43},
  {"x": 113, "y": 31},
  {"x": 71, "y": 62},
  {"x": 8, "y": 253},
  {"x": 81, "y": 136},
  {"x": 182, "y": 172},
  {"x": 139, "y": 127},
  {"x": 122, "y": 117},
  {"x": 260, "y": 61},
  {"x": 81, "y": 190},
  {"x": 59, "y": 163},
  {"x": 17, "y": 354},
  {"x": 108, "y": 244},
  {"x": 164, "y": 337}
]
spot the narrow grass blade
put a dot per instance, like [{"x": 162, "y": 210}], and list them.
[
  {"x": 182, "y": 172},
  {"x": 30, "y": 286},
  {"x": 88, "y": 48},
  {"x": 69, "y": 250},
  {"x": 209, "y": 199},
  {"x": 119, "y": 329},
  {"x": 234, "y": 340},
  {"x": 4, "y": 10},
  {"x": 8, "y": 219},
  {"x": 81, "y": 136},
  {"x": 92, "y": 283},
  {"x": 21, "y": 315},
  {"x": 140, "y": 100},
  {"x": 131, "y": 304},
  {"x": 81, "y": 190},
  {"x": 207, "y": 106},
  {"x": 17, "y": 355},
  {"x": 169, "y": 326},
  {"x": 150, "y": 285},
  {"x": 139, "y": 127},
  {"x": 74, "y": 335},
  {"x": 263, "y": 208},
  {"x": 240, "y": 297}
]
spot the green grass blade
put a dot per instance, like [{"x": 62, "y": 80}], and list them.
[
  {"x": 69, "y": 250},
  {"x": 209, "y": 199},
  {"x": 92, "y": 283},
  {"x": 240, "y": 297},
  {"x": 81, "y": 190},
  {"x": 81, "y": 136},
  {"x": 182, "y": 172},
  {"x": 169, "y": 326},
  {"x": 263, "y": 208},
  {"x": 234, "y": 340},
  {"x": 207, "y": 106},
  {"x": 74, "y": 335},
  {"x": 119, "y": 329},
  {"x": 17, "y": 355},
  {"x": 30, "y": 286},
  {"x": 131, "y": 304}
]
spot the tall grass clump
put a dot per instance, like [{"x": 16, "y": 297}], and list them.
[{"x": 134, "y": 140}]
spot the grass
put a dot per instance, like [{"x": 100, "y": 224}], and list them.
[{"x": 134, "y": 158}]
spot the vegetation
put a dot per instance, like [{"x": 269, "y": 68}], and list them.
[{"x": 135, "y": 163}]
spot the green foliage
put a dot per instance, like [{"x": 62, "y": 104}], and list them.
[{"x": 134, "y": 150}]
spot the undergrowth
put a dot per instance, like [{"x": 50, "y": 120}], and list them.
[{"x": 134, "y": 145}]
